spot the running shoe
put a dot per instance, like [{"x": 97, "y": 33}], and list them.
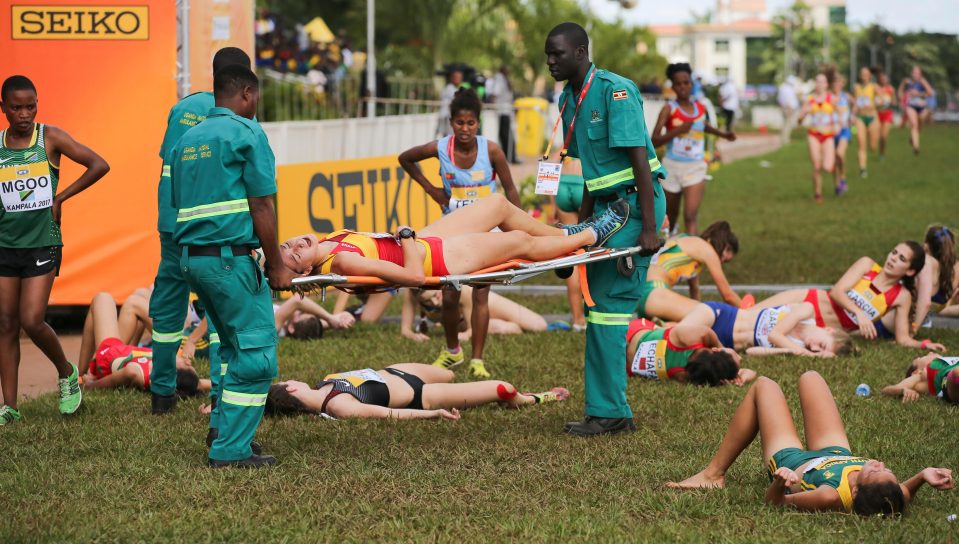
[
  {"x": 864, "y": 173},
  {"x": 448, "y": 359},
  {"x": 818, "y": 199},
  {"x": 610, "y": 222},
  {"x": 478, "y": 369},
  {"x": 842, "y": 187},
  {"x": 9, "y": 415},
  {"x": 559, "y": 326},
  {"x": 556, "y": 394},
  {"x": 578, "y": 227},
  {"x": 70, "y": 392}
]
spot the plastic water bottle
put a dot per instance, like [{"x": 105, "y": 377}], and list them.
[{"x": 863, "y": 390}]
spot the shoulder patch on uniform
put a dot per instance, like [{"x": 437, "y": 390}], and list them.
[{"x": 620, "y": 95}]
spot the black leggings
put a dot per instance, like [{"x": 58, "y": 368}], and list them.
[{"x": 415, "y": 383}]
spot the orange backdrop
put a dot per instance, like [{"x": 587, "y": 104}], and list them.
[
  {"x": 215, "y": 24},
  {"x": 112, "y": 95}
]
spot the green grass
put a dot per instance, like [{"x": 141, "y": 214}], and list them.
[
  {"x": 786, "y": 238},
  {"x": 114, "y": 473}
]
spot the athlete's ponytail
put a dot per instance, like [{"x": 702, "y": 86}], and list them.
[
  {"x": 942, "y": 246},
  {"x": 916, "y": 263},
  {"x": 720, "y": 236}
]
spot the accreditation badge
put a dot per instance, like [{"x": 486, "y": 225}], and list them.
[{"x": 547, "y": 178}]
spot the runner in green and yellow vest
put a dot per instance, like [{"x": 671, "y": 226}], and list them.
[
  {"x": 223, "y": 179},
  {"x": 822, "y": 475},
  {"x": 168, "y": 303},
  {"x": 30, "y": 240},
  {"x": 603, "y": 123}
]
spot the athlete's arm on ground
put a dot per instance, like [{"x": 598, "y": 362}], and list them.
[
  {"x": 60, "y": 143},
  {"x": 703, "y": 251},
  {"x": 408, "y": 161},
  {"x": 910, "y": 384},
  {"x": 129, "y": 375},
  {"x": 939, "y": 478},
  {"x": 757, "y": 351},
  {"x": 501, "y": 168},
  {"x": 346, "y": 406}
]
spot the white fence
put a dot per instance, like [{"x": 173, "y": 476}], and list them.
[{"x": 296, "y": 142}]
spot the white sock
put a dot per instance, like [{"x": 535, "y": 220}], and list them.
[{"x": 595, "y": 234}]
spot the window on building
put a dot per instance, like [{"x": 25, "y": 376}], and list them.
[
  {"x": 722, "y": 71},
  {"x": 722, "y": 46}
]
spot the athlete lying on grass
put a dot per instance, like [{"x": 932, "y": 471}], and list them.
[
  {"x": 402, "y": 391},
  {"x": 770, "y": 331},
  {"x": 824, "y": 477},
  {"x": 685, "y": 353},
  {"x": 459, "y": 243},
  {"x": 505, "y": 315},
  {"x": 871, "y": 299},
  {"x": 116, "y": 364},
  {"x": 931, "y": 374}
]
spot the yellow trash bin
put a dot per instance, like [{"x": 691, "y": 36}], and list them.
[{"x": 530, "y": 125}]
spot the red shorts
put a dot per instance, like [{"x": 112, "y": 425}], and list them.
[
  {"x": 637, "y": 326},
  {"x": 885, "y": 116},
  {"x": 112, "y": 354},
  {"x": 436, "y": 255},
  {"x": 821, "y": 137}
]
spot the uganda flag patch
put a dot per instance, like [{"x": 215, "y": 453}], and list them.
[{"x": 620, "y": 95}]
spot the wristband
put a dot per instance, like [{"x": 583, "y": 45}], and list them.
[{"x": 924, "y": 343}]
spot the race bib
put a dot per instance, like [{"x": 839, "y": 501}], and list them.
[
  {"x": 25, "y": 188},
  {"x": 357, "y": 378},
  {"x": 464, "y": 196},
  {"x": 687, "y": 147},
  {"x": 863, "y": 101},
  {"x": 864, "y": 302},
  {"x": 650, "y": 360},
  {"x": 547, "y": 178}
]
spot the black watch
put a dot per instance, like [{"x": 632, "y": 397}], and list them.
[{"x": 406, "y": 232}]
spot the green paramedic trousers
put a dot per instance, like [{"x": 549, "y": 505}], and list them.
[
  {"x": 168, "y": 308},
  {"x": 615, "y": 298},
  {"x": 235, "y": 294}
]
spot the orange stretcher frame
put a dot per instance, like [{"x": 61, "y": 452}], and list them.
[{"x": 507, "y": 273}]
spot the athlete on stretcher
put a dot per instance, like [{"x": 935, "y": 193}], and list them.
[{"x": 459, "y": 243}]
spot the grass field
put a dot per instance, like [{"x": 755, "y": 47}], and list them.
[{"x": 113, "y": 473}]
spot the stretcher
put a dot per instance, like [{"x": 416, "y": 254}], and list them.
[{"x": 507, "y": 273}]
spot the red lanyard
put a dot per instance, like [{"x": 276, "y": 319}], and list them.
[{"x": 572, "y": 124}]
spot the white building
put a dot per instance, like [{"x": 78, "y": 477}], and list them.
[{"x": 716, "y": 49}]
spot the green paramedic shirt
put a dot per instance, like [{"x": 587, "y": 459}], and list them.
[
  {"x": 214, "y": 168},
  {"x": 184, "y": 115},
  {"x": 610, "y": 119}
]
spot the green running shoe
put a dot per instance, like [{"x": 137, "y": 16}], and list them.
[
  {"x": 478, "y": 369},
  {"x": 70, "y": 392},
  {"x": 448, "y": 359},
  {"x": 9, "y": 415}
]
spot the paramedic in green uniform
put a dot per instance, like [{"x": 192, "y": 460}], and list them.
[
  {"x": 222, "y": 173},
  {"x": 610, "y": 139},
  {"x": 171, "y": 295}
]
